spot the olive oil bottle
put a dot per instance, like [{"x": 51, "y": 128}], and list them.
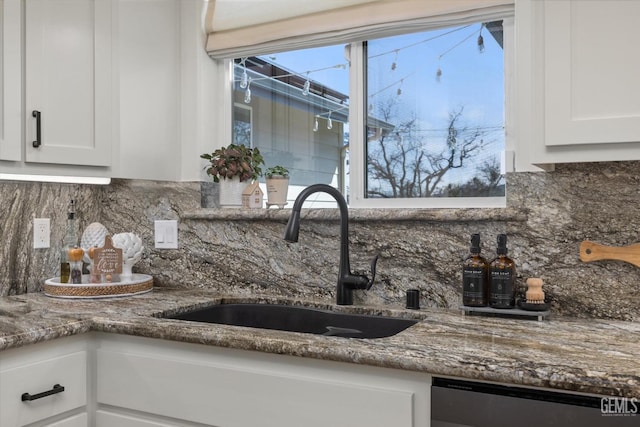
[
  {"x": 69, "y": 241},
  {"x": 475, "y": 281},
  {"x": 502, "y": 278}
]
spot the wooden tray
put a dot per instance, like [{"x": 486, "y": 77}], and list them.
[{"x": 138, "y": 284}]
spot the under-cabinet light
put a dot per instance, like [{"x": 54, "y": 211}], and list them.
[{"x": 56, "y": 178}]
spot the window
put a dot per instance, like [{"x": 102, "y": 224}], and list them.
[
  {"x": 298, "y": 120},
  {"x": 415, "y": 120}
]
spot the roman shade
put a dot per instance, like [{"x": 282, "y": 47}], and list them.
[{"x": 239, "y": 28}]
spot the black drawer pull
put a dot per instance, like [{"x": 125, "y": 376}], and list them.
[
  {"x": 29, "y": 397},
  {"x": 38, "y": 141}
]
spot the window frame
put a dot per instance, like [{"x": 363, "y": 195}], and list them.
[{"x": 358, "y": 119}]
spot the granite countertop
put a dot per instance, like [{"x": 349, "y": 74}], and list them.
[{"x": 585, "y": 355}]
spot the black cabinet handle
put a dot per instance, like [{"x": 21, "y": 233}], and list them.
[
  {"x": 29, "y": 397},
  {"x": 38, "y": 142}
]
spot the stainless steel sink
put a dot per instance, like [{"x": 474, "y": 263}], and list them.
[{"x": 299, "y": 319}]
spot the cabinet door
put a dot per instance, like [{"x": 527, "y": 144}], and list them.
[
  {"x": 10, "y": 81},
  {"x": 235, "y": 388},
  {"x": 591, "y": 72},
  {"x": 578, "y": 95},
  {"x": 68, "y": 81},
  {"x": 28, "y": 376}
]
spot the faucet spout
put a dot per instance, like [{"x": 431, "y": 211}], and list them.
[{"x": 346, "y": 280}]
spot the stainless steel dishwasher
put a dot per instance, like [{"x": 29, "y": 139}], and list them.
[{"x": 456, "y": 403}]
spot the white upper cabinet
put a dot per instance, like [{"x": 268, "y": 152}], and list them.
[
  {"x": 149, "y": 75},
  {"x": 68, "y": 82},
  {"x": 577, "y": 85},
  {"x": 591, "y": 72},
  {"x": 10, "y": 81}
]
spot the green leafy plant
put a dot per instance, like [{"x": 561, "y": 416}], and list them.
[
  {"x": 234, "y": 160},
  {"x": 277, "y": 171}
]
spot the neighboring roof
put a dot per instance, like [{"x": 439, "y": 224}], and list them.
[
  {"x": 495, "y": 29},
  {"x": 269, "y": 78},
  {"x": 291, "y": 78}
]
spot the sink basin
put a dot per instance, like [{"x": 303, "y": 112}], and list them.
[{"x": 299, "y": 319}]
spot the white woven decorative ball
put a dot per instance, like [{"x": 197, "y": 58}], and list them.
[
  {"x": 132, "y": 248},
  {"x": 93, "y": 236}
]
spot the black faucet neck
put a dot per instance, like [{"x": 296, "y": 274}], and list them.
[
  {"x": 347, "y": 282},
  {"x": 344, "y": 268},
  {"x": 344, "y": 295}
]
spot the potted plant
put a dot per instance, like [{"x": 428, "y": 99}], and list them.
[
  {"x": 277, "y": 178},
  {"x": 233, "y": 167}
]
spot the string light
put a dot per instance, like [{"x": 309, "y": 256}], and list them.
[
  {"x": 247, "y": 92},
  {"x": 307, "y": 86},
  {"x": 341, "y": 66},
  {"x": 420, "y": 42},
  {"x": 244, "y": 79},
  {"x": 399, "y": 81},
  {"x": 480, "y": 47},
  {"x": 455, "y": 46},
  {"x": 306, "y": 89},
  {"x": 438, "y": 75}
]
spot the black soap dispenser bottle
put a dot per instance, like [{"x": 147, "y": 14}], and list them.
[
  {"x": 475, "y": 269},
  {"x": 502, "y": 278}
]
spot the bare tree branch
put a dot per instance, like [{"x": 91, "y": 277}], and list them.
[{"x": 401, "y": 166}]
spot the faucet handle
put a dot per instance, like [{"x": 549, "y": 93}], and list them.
[{"x": 374, "y": 261}]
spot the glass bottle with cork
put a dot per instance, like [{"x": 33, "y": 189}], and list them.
[
  {"x": 502, "y": 277},
  {"x": 69, "y": 241},
  {"x": 475, "y": 270}
]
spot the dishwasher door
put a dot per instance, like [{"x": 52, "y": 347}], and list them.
[{"x": 456, "y": 403}]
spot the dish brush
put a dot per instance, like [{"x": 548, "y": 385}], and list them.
[{"x": 535, "y": 294}]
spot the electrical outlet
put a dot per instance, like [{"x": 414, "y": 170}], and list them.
[
  {"x": 41, "y": 233},
  {"x": 166, "y": 234}
]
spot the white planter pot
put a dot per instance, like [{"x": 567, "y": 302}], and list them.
[
  {"x": 231, "y": 192},
  {"x": 277, "y": 190}
]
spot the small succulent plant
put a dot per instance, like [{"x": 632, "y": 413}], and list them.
[{"x": 277, "y": 171}]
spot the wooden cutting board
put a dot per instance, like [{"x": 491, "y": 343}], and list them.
[{"x": 590, "y": 251}]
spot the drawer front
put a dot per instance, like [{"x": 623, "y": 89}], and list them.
[
  {"x": 79, "y": 420},
  {"x": 69, "y": 371},
  {"x": 111, "y": 419}
]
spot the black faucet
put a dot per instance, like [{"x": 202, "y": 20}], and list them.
[{"x": 347, "y": 281}]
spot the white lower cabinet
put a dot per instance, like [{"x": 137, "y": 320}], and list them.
[
  {"x": 173, "y": 384},
  {"x": 45, "y": 383},
  {"x": 113, "y": 380}
]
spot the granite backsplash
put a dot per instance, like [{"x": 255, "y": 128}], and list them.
[{"x": 548, "y": 214}]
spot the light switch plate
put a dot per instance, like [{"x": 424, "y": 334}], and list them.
[
  {"x": 166, "y": 234},
  {"x": 41, "y": 233}
]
